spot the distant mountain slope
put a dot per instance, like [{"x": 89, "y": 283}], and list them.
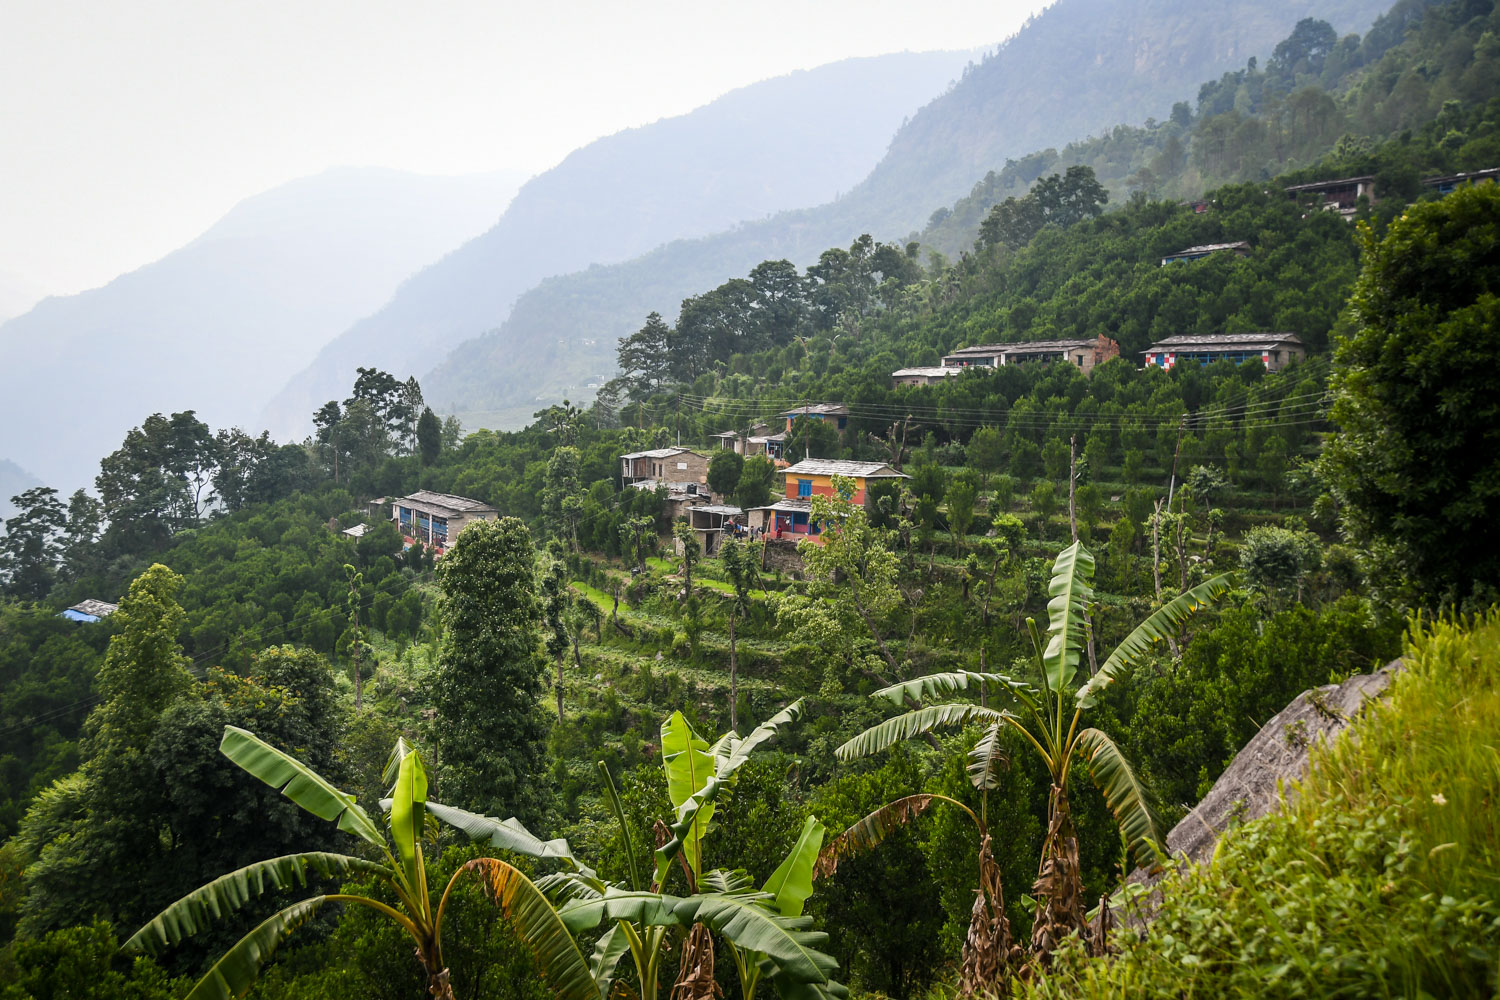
[
  {"x": 17, "y": 294},
  {"x": 789, "y": 142},
  {"x": 1080, "y": 66},
  {"x": 216, "y": 325}
]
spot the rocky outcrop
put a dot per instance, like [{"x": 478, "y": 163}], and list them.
[{"x": 1269, "y": 766}]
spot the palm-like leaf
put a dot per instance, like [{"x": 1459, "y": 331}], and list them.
[
  {"x": 236, "y": 971},
  {"x": 728, "y": 755},
  {"x": 1070, "y": 591},
  {"x": 1123, "y": 793},
  {"x": 508, "y": 835},
  {"x": 408, "y": 815},
  {"x": 915, "y": 723},
  {"x": 224, "y": 895},
  {"x": 791, "y": 883},
  {"x": 1151, "y": 631},
  {"x": 868, "y": 833},
  {"x": 688, "y": 763},
  {"x": 648, "y": 909},
  {"x": 299, "y": 783},
  {"x": 956, "y": 682},
  {"x": 986, "y": 758},
  {"x": 541, "y": 928},
  {"x": 747, "y": 921},
  {"x": 612, "y": 946}
]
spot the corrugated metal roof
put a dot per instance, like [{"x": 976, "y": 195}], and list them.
[
  {"x": 840, "y": 467},
  {"x": 718, "y": 508},
  {"x": 357, "y": 531},
  {"x": 818, "y": 409},
  {"x": 1226, "y": 341},
  {"x": 793, "y": 506},
  {"x": 1212, "y": 248},
  {"x": 659, "y": 453},
  {"x": 445, "y": 501},
  {"x": 99, "y": 609},
  {"x": 929, "y": 372},
  {"x": 1020, "y": 347},
  {"x": 1320, "y": 185}
]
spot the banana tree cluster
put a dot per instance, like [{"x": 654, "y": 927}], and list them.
[
  {"x": 1046, "y": 709},
  {"x": 557, "y": 916}
]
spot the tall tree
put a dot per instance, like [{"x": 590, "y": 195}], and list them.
[
  {"x": 490, "y": 733},
  {"x": 429, "y": 436},
  {"x": 1415, "y": 463},
  {"x": 31, "y": 547}
]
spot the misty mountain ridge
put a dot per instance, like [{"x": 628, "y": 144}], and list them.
[
  {"x": 215, "y": 325},
  {"x": 783, "y": 143},
  {"x": 1079, "y": 67}
]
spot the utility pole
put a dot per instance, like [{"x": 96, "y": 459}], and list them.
[
  {"x": 1172, "y": 484},
  {"x": 1072, "y": 484}
]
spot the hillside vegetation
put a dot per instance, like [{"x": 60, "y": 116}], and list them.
[{"x": 906, "y": 758}]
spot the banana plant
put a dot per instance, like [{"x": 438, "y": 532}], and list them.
[
  {"x": 765, "y": 930},
  {"x": 1046, "y": 710},
  {"x": 401, "y": 869}
]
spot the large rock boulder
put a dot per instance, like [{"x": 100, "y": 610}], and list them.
[{"x": 1275, "y": 759}]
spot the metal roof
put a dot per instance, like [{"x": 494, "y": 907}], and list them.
[
  {"x": 1226, "y": 341},
  {"x": 929, "y": 372},
  {"x": 1323, "y": 185},
  {"x": 1212, "y": 248},
  {"x": 793, "y": 506},
  {"x": 1472, "y": 175},
  {"x": 660, "y": 453},
  {"x": 357, "y": 531},
  {"x": 839, "y": 467},
  {"x": 818, "y": 409},
  {"x": 445, "y": 501},
  {"x": 99, "y": 609},
  {"x": 717, "y": 508},
  {"x": 1022, "y": 347}
]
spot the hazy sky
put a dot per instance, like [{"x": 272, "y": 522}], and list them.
[{"x": 127, "y": 128}]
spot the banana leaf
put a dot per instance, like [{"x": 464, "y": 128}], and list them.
[
  {"x": 1164, "y": 622},
  {"x": 791, "y": 883},
  {"x": 1123, "y": 794},
  {"x": 299, "y": 783},
  {"x": 236, "y": 971},
  {"x": 1070, "y": 591},
  {"x": 203, "y": 906},
  {"x": 914, "y": 723},
  {"x": 508, "y": 835},
  {"x": 540, "y": 926}
]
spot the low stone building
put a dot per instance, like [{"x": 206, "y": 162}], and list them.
[
  {"x": 663, "y": 465},
  {"x": 1083, "y": 353}
]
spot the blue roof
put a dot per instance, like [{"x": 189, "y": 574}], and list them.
[{"x": 78, "y": 616}]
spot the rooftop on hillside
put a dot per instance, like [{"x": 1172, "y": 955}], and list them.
[
  {"x": 427, "y": 499},
  {"x": 841, "y": 467}
]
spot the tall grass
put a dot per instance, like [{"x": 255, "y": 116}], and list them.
[{"x": 1380, "y": 877}]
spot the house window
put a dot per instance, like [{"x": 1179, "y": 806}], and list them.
[{"x": 804, "y": 487}]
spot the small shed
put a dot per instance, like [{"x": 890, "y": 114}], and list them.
[{"x": 712, "y": 523}]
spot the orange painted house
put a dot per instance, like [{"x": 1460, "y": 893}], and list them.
[{"x": 814, "y": 477}]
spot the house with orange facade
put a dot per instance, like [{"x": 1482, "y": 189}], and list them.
[{"x": 812, "y": 477}]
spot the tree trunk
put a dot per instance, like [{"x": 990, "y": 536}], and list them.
[
  {"x": 734, "y": 679},
  {"x": 560, "y": 687},
  {"x": 1059, "y": 882},
  {"x": 438, "y": 981},
  {"x": 989, "y": 953}
]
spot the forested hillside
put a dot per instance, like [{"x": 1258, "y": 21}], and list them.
[
  {"x": 1138, "y": 58},
  {"x": 785, "y": 143},
  {"x": 581, "y": 747}
]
